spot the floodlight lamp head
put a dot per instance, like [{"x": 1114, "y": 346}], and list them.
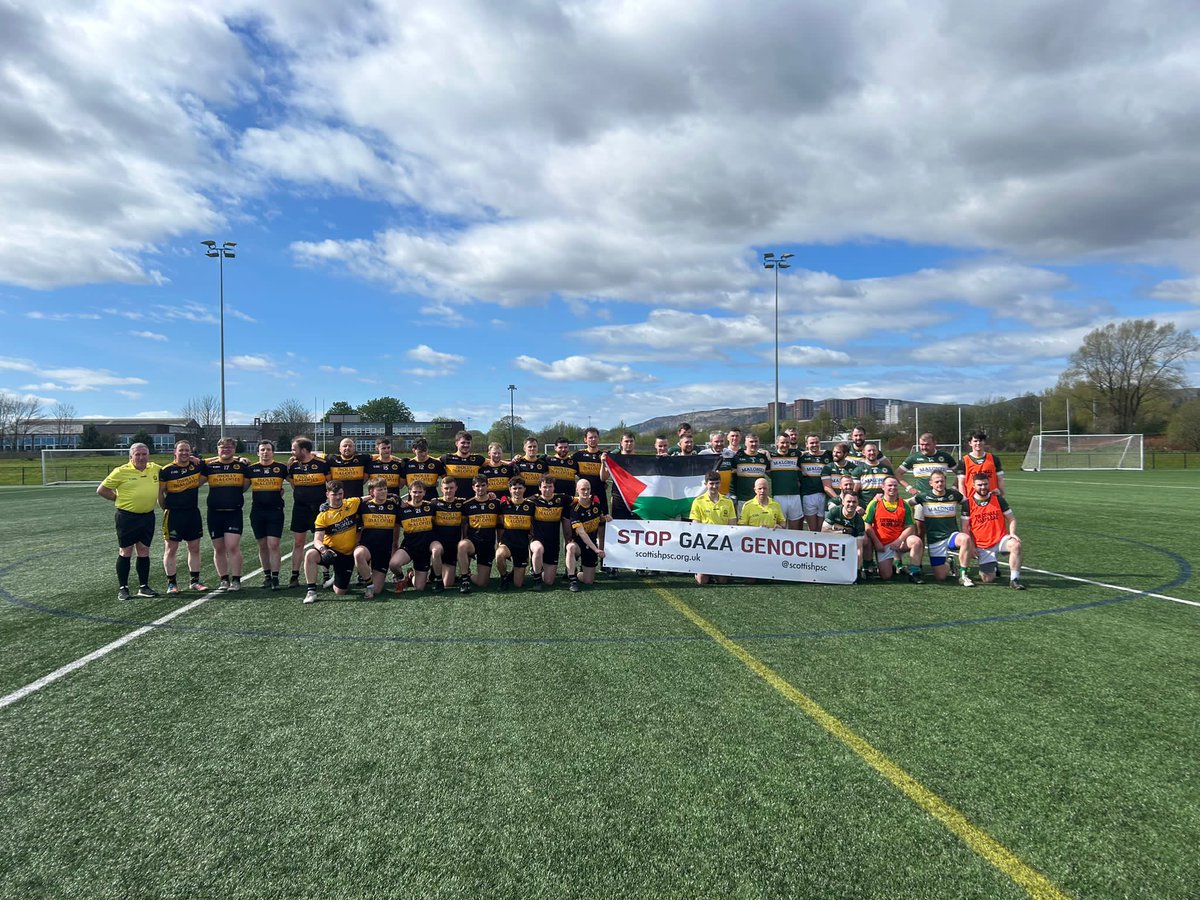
[
  {"x": 209, "y": 244},
  {"x": 768, "y": 256},
  {"x": 234, "y": 244},
  {"x": 213, "y": 253},
  {"x": 787, "y": 256}
]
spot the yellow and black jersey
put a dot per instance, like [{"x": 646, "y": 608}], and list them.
[
  {"x": 482, "y": 517},
  {"x": 389, "y": 471},
  {"x": 463, "y": 469},
  {"x": 416, "y": 520},
  {"x": 447, "y": 514},
  {"x": 516, "y": 516},
  {"x": 498, "y": 476},
  {"x": 589, "y": 465},
  {"x": 426, "y": 471},
  {"x": 351, "y": 471},
  {"x": 379, "y": 517},
  {"x": 308, "y": 481},
  {"x": 340, "y": 526},
  {"x": 564, "y": 472},
  {"x": 266, "y": 484},
  {"x": 181, "y": 485},
  {"x": 547, "y": 514},
  {"x": 226, "y": 482},
  {"x": 586, "y": 518},
  {"x": 531, "y": 472}
]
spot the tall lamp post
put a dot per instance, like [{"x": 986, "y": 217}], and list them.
[
  {"x": 512, "y": 431},
  {"x": 221, "y": 253},
  {"x": 771, "y": 261}
]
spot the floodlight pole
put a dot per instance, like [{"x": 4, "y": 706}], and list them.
[
  {"x": 770, "y": 261},
  {"x": 221, "y": 252},
  {"x": 512, "y": 432}
]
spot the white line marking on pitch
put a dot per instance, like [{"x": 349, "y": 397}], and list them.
[
  {"x": 1114, "y": 587},
  {"x": 63, "y": 671},
  {"x": 1141, "y": 487}
]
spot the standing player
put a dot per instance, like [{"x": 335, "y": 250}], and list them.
[
  {"x": 422, "y": 467},
  {"x": 516, "y": 522},
  {"x": 846, "y": 518},
  {"x": 308, "y": 474},
  {"x": 227, "y": 484},
  {"x": 733, "y": 442},
  {"x": 583, "y": 553},
  {"x": 937, "y": 524},
  {"x": 712, "y": 508},
  {"x": 661, "y": 448},
  {"x": 133, "y": 487},
  {"x": 334, "y": 542},
  {"x": 498, "y": 471},
  {"x": 349, "y": 467},
  {"x": 837, "y": 466},
  {"x": 179, "y": 495},
  {"x": 857, "y": 452},
  {"x": 266, "y": 510},
  {"x": 979, "y": 460},
  {"x": 813, "y": 499},
  {"x": 416, "y": 521},
  {"x": 447, "y": 532},
  {"x": 927, "y": 460},
  {"x": 991, "y": 529},
  {"x": 715, "y": 445},
  {"x": 870, "y": 474},
  {"x": 384, "y": 465},
  {"x": 462, "y": 465},
  {"x": 380, "y": 516},
  {"x": 481, "y": 516},
  {"x": 589, "y": 463},
  {"x": 531, "y": 467},
  {"x": 891, "y": 530},
  {"x": 749, "y": 465},
  {"x": 548, "y": 509},
  {"x": 783, "y": 470}
]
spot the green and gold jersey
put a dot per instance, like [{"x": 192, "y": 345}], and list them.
[
  {"x": 939, "y": 512},
  {"x": 870, "y": 480},
  {"x": 784, "y": 472},
  {"x": 923, "y": 465},
  {"x": 840, "y": 523},
  {"x": 812, "y": 468},
  {"x": 747, "y": 469}
]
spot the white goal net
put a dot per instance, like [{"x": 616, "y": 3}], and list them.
[
  {"x": 80, "y": 466},
  {"x": 1049, "y": 452}
]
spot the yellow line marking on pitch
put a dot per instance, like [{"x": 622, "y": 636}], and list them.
[{"x": 1033, "y": 881}]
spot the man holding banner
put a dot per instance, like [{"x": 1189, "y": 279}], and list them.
[{"x": 713, "y": 508}]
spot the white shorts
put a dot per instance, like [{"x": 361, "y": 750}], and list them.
[
  {"x": 886, "y": 554},
  {"x": 989, "y": 554},
  {"x": 792, "y": 508},
  {"x": 814, "y": 504},
  {"x": 941, "y": 549}
]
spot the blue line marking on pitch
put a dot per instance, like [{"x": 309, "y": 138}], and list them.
[{"x": 1184, "y": 575}]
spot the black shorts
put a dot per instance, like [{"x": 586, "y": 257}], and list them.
[
  {"x": 418, "y": 551},
  {"x": 266, "y": 522},
  {"x": 550, "y": 541},
  {"x": 485, "y": 550},
  {"x": 448, "y": 538},
  {"x": 304, "y": 517},
  {"x": 224, "y": 521},
  {"x": 587, "y": 556},
  {"x": 134, "y": 528},
  {"x": 343, "y": 567},
  {"x": 517, "y": 543},
  {"x": 380, "y": 550},
  {"x": 182, "y": 524}
]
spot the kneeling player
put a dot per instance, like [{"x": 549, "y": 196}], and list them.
[
  {"x": 334, "y": 542},
  {"x": 447, "y": 532},
  {"x": 583, "y": 550},
  {"x": 416, "y": 521},
  {"x": 380, "y": 526},
  {"x": 991, "y": 532},
  {"x": 548, "y": 508},
  {"x": 846, "y": 519},
  {"x": 516, "y": 520},
  {"x": 937, "y": 518},
  {"x": 892, "y": 532},
  {"x": 481, "y": 514}
]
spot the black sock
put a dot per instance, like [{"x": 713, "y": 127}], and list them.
[
  {"x": 143, "y": 569},
  {"x": 195, "y": 577},
  {"x": 172, "y": 580},
  {"x": 237, "y": 578},
  {"x": 123, "y": 564}
]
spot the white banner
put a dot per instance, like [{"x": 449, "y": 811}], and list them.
[{"x": 738, "y": 550}]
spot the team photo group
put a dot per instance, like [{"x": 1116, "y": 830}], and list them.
[{"x": 356, "y": 517}]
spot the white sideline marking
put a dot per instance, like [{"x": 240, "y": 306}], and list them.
[
  {"x": 1113, "y": 587},
  {"x": 63, "y": 671},
  {"x": 1174, "y": 487}
]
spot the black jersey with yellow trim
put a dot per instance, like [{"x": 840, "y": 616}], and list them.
[
  {"x": 548, "y": 514},
  {"x": 482, "y": 518},
  {"x": 587, "y": 517},
  {"x": 351, "y": 471},
  {"x": 565, "y": 473},
  {"x": 531, "y": 472},
  {"x": 308, "y": 481},
  {"x": 427, "y": 471},
  {"x": 498, "y": 476},
  {"x": 447, "y": 513},
  {"x": 589, "y": 465},
  {"x": 463, "y": 470},
  {"x": 388, "y": 470},
  {"x": 416, "y": 520},
  {"x": 226, "y": 482},
  {"x": 266, "y": 485},
  {"x": 181, "y": 485},
  {"x": 516, "y": 516}
]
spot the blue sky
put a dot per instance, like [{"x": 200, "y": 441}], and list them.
[{"x": 435, "y": 200}]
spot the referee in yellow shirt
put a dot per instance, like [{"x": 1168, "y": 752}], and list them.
[
  {"x": 134, "y": 489},
  {"x": 761, "y": 510}
]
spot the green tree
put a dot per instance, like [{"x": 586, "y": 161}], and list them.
[
  {"x": 142, "y": 436},
  {"x": 499, "y": 433},
  {"x": 92, "y": 438},
  {"x": 1184, "y": 431},
  {"x": 551, "y": 433},
  {"x": 1127, "y": 364},
  {"x": 385, "y": 409},
  {"x": 822, "y": 424},
  {"x": 341, "y": 408}
]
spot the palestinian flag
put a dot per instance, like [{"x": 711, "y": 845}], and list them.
[{"x": 659, "y": 487}]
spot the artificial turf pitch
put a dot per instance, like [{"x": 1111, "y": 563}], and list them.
[{"x": 605, "y": 743}]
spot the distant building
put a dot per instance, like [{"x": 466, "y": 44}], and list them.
[{"x": 51, "y": 434}]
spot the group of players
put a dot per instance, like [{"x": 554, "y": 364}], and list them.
[{"x": 514, "y": 514}]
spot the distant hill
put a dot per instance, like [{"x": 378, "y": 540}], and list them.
[{"x": 703, "y": 421}]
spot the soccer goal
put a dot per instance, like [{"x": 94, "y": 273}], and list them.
[
  {"x": 80, "y": 466},
  {"x": 1048, "y": 452}
]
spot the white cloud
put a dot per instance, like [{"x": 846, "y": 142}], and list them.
[
  {"x": 59, "y": 316},
  {"x": 813, "y": 357},
  {"x": 338, "y": 370},
  {"x": 426, "y": 354},
  {"x": 580, "y": 368},
  {"x": 72, "y": 379},
  {"x": 149, "y": 335},
  {"x": 250, "y": 363}
]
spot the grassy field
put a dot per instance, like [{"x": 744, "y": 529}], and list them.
[{"x": 645, "y": 738}]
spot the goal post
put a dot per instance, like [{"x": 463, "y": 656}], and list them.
[
  {"x": 61, "y": 467},
  {"x": 1076, "y": 452}
]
